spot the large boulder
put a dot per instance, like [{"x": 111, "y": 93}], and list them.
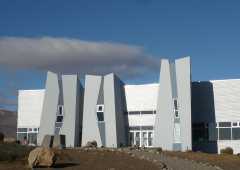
[
  {"x": 91, "y": 144},
  {"x": 42, "y": 157}
]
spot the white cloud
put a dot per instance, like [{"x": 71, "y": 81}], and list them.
[{"x": 74, "y": 55}]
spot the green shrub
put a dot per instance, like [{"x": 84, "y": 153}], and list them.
[
  {"x": 227, "y": 150},
  {"x": 159, "y": 149},
  {"x": 13, "y": 151}
]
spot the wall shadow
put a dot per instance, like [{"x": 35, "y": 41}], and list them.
[{"x": 203, "y": 116}]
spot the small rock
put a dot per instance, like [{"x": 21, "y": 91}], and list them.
[{"x": 91, "y": 144}]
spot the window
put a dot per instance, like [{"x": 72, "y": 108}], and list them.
[
  {"x": 137, "y": 138},
  {"x": 224, "y": 133},
  {"x": 224, "y": 124},
  {"x": 134, "y": 113},
  {"x": 150, "y": 138},
  {"x": 59, "y": 119},
  {"x": 100, "y": 108},
  {"x": 234, "y": 124},
  {"x": 175, "y": 104},
  {"x": 100, "y": 116},
  {"x": 22, "y": 130},
  {"x": 175, "y": 110},
  {"x": 146, "y": 112},
  {"x": 236, "y": 133},
  {"x": 60, "y": 110},
  {"x": 176, "y": 114}
]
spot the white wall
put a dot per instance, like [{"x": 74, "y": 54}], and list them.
[
  {"x": 29, "y": 108},
  {"x": 141, "y": 120},
  {"x": 141, "y": 97},
  {"x": 234, "y": 144},
  {"x": 226, "y": 99}
]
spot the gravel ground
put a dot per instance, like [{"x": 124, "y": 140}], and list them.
[{"x": 174, "y": 163}]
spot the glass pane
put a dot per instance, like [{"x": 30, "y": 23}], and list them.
[
  {"x": 235, "y": 133},
  {"x": 137, "y": 138},
  {"x": 59, "y": 118},
  {"x": 147, "y": 127},
  {"x": 175, "y": 104},
  {"x": 100, "y": 116},
  {"x": 224, "y": 133},
  {"x": 144, "y": 139},
  {"x": 224, "y": 124},
  {"x": 150, "y": 138},
  {"x": 134, "y": 113},
  {"x": 134, "y": 128},
  {"x": 32, "y": 138},
  {"x": 22, "y": 137},
  {"x": 146, "y": 112},
  {"x": 235, "y": 123},
  {"x": 22, "y": 129},
  {"x": 131, "y": 138}
]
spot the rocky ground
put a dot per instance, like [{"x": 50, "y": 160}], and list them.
[{"x": 131, "y": 159}]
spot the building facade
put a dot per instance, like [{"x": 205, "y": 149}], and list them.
[{"x": 175, "y": 114}]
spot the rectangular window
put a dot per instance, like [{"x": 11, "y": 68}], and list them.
[
  {"x": 146, "y": 112},
  {"x": 59, "y": 119},
  {"x": 235, "y": 133},
  {"x": 175, "y": 104},
  {"x": 224, "y": 124},
  {"x": 100, "y": 108},
  {"x": 176, "y": 114},
  {"x": 100, "y": 116},
  {"x": 134, "y": 128},
  {"x": 224, "y": 133},
  {"x": 137, "y": 138},
  {"x": 147, "y": 127},
  {"x": 150, "y": 138},
  {"x": 134, "y": 113},
  {"x": 22, "y": 130},
  {"x": 234, "y": 124},
  {"x": 60, "y": 110}
]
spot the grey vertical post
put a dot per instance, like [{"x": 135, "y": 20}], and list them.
[
  {"x": 164, "y": 123},
  {"x": 71, "y": 120},
  {"x": 48, "y": 116},
  {"x": 90, "y": 130},
  {"x": 183, "y": 72}
]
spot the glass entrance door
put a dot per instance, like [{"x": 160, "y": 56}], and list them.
[{"x": 141, "y": 138}]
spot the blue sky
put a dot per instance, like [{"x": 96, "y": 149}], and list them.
[{"x": 75, "y": 36}]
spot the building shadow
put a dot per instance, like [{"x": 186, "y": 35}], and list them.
[{"x": 203, "y": 118}]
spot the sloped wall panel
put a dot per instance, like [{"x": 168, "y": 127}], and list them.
[
  {"x": 183, "y": 77},
  {"x": 71, "y": 93},
  {"x": 90, "y": 129},
  {"x": 163, "y": 129},
  {"x": 48, "y": 116}
]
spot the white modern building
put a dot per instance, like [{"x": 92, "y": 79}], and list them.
[{"x": 175, "y": 114}]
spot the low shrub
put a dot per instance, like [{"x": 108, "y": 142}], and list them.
[
  {"x": 13, "y": 151},
  {"x": 1, "y": 137},
  {"x": 227, "y": 150},
  {"x": 159, "y": 149}
]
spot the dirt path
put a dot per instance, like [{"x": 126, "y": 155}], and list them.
[{"x": 174, "y": 163}]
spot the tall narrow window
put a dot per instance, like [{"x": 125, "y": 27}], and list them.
[
  {"x": 100, "y": 113},
  {"x": 176, "y": 111}
]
